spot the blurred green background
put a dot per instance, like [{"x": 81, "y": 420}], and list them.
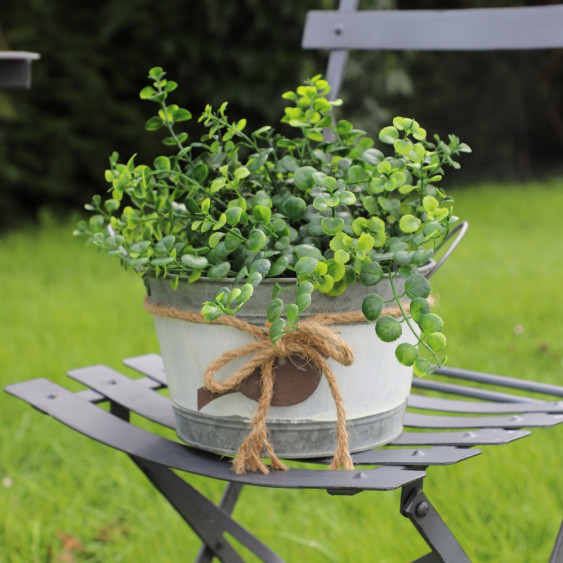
[
  {"x": 65, "y": 497},
  {"x": 55, "y": 138}
]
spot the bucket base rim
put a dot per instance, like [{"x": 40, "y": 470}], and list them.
[{"x": 296, "y": 439}]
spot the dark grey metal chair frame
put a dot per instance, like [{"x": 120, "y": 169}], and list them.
[
  {"x": 15, "y": 68},
  {"x": 492, "y": 416},
  {"x": 478, "y": 29}
]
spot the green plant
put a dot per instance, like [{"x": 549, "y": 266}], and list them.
[{"x": 246, "y": 205}]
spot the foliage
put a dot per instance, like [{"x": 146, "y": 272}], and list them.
[
  {"x": 509, "y": 100},
  {"x": 328, "y": 213},
  {"x": 52, "y": 148},
  {"x": 101, "y": 498},
  {"x": 56, "y": 140}
]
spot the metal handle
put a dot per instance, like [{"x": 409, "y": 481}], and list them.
[{"x": 459, "y": 232}]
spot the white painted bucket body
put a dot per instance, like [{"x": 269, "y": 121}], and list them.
[{"x": 374, "y": 389}]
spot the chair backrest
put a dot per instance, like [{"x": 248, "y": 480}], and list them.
[{"x": 474, "y": 29}]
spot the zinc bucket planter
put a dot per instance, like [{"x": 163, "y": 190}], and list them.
[
  {"x": 313, "y": 205},
  {"x": 302, "y": 416}
]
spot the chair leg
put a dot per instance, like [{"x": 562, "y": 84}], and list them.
[
  {"x": 227, "y": 504},
  {"x": 419, "y": 510},
  {"x": 208, "y": 521}
]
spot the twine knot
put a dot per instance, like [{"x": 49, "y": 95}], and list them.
[
  {"x": 313, "y": 339},
  {"x": 281, "y": 348}
]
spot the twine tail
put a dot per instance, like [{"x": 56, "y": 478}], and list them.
[
  {"x": 313, "y": 339},
  {"x": 342, "y": 458},
  {"x": 249, "y": 454}
]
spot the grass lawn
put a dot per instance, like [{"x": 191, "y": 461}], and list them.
[{"x": 64, "y": 497}]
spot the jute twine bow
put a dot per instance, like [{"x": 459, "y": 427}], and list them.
[{"x": 312, "y": 339}]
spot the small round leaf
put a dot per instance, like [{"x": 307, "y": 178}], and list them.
[
  {"x": 292, "y": 313},
  {"x": 256, "y": 240},
  {"x": 262, "y": 265},
  {"x": 194, "y": 276},
  {"x": 162, "y": 163},
  {"x": 371, "y": 274},
  {"x": 147, "y": 92},
  {"x": 274, "y": 309},
  {"x": 215, "y": 238},
  {"x": 195, "y": 262},
  {"x": 388, "y": 328},
  {"x": 406, "y": 354},
  {"x": 403, "y": 257},
  {"x": 388, "y": 135},
  {"x": 372, "y": 305},
  {"x": 153, "y": 123},
  {"x": 320, "y": 204},
  {"x": 210, "y": 311},
  {"x": 277, "y": 329},
  {"x": 241, "y": 172},
  {"x": 295, "y": 208},
  {"x": 409, "y": 223},
  {"x": 347, "y": 198},
  {"x": 421, "y": 257},
  {"x": 430, "y": 323},
  {"x": 303, "y": 177},
  {"x": 305, "y": 288},
  {"x": 419, "y": 307},
  {"x": 325, "y": 284},
  {"x": 303, "y": 301},
  {"x": 182, "y": 114},
  {"x": 402, "y": 146},
  {"x": 336, "y": 270},
  {"x": 220, "y": 270},
  {"x": 430, "y": 203},
  {"x": 437, "y": 341},
  {"x": 306, "y": 265},
  {"x": 233, "y": 215},
  {"x": 417, "y": 286},
  {"x": 246, "y": 292},
  {"x": 332, "y": 225},
  {"x": 341, "y": 257},
  {"x": 423, "y": 367},
  {"x": 279, "y": 266}
]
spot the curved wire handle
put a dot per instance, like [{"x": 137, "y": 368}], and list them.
[{"x": 459, "y": 230}]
